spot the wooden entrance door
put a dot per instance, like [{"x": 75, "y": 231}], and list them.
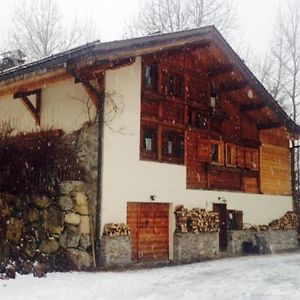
[
  {"x": 149, "y": 224},
  {"x": 223, "y": 235}
]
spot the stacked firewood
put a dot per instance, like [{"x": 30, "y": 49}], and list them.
[
  {"x": 181, "y": 216},
  {"x": 288, "y": 221},
  {"x": 196, "y": 220},
  {"x": 113, "y": 229}
]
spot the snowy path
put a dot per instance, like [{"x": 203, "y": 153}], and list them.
[{"x": 268, "y": 277}]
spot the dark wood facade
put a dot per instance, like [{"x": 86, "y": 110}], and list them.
[{"x": 199, "y": 111}]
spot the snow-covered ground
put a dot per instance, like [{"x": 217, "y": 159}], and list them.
[{"x": 265, "y": 277}]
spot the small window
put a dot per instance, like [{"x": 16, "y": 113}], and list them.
[
  {"x": 174, "y": 85},
  {"x": 197, "y": 119},
  {"x": 151, "y": 77},
  {"x": 217, "y": 154},
  {"x": 149, "y": 143},
  {"x": 251, "y": 158},
  {"x": 231, "y": 155},
  {"x": 173, "y": 146}
]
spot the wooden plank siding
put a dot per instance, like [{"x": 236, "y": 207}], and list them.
[
  {"x": 275, "y": 161},
  {"x": 217, "y": 117},
  {"x": 149, "y": 224}
]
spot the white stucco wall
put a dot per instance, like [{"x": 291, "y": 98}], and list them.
[
  {"x": 127, "y": 179},
  {"x": 64, "y": 105}
]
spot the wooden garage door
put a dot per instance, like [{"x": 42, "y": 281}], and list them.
[{"x": 149, "y": 224}]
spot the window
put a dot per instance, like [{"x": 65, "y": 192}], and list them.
[
  {"x": 251, "y": 158},
  {"x": 151, "y": 77},
  {"x": 173, "y": 84},
  {"x": 197, "y": 119},
  {"x": 248, "y": 158},
  {"x": 173, "y": 146},
  {"x": 149, "y": 143},
  {"x": 231, "y": 153},
  {"x": 217, "y": 153}
]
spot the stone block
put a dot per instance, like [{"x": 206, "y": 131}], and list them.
[
  {"x": 5, "y": 209},
  {"x": 33, "y": 215},
  {"x": 81, "y": 259},
  {"x": 85, "y": 241},
  {"x": 190, "y": 247},
  {"x": 30, "y": 247},
  {"x": 84, "y": 226},
  {"x": 81, "y": 203},
  {"x": 278, "y": 240},
  {"x": 49, "y": 246},
  {"x": 72, "y": 218},
  {"x": 67, "y": 187},
  {"x": 14, "y": 229},
  {"x": 66, "y": 202},
  {"x": 116, "y": 251},
  {"x": 41, "y": 201},
  {"x": 70, "y": 237},
  {"x": 53, "y": 220}
]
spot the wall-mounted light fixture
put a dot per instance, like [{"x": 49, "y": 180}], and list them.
[
  {"x": 222, "y": 199},
  {"x": 152, "y": 197}
]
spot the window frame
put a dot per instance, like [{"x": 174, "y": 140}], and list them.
[
  {"x": 153, "y": 153},
  {"x": 233, "y": 155},
  {"x": 220, "y": 159},
  {"x": 178, "y": 146}
]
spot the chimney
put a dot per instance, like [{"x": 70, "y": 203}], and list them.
[{"x": 11, "y": 59}]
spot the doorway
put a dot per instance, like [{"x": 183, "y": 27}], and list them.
[
  {"x": 223, "y": 234},
  {"x": 149, "y": 224}
]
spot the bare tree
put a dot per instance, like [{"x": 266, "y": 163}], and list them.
[
  {"x": 39, "y": 31},
  {"x": 281, "y": 75},
  {"x": 280, "y": 70},
  {"x": 173, "y": 15}
]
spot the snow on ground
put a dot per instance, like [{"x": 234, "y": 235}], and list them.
[{"x": 264, "y": 277}]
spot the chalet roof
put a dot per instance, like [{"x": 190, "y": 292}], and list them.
[{"x": 116, "y": 50}]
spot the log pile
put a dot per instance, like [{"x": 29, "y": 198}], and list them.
[
  {"x": 196, "y": 220},
  {"x": 181, "y": 216},
  {"x": 288, "y": 221},
  {"x": 112, "y": 230}
]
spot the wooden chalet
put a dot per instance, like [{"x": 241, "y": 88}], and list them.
[{"x": 195, "y": 128}]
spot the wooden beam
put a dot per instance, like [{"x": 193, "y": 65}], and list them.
[
  {"x": 269, "y": 125},
  {"x": 232, "y": 86},
  {"x": 252, "y": 106},
  {"x": 33, "y": 83},
  {"x": 35, "y": 111},
  {"x": 220, "y": 70},
  {"x": 91, "y": 72},
  {"x": 95, "y": 93}
]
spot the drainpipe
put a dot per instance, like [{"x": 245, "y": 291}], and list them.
[{"x": 100, "y": 120}]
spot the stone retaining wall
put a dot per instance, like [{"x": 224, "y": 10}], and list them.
[
  {"x": 195, "y": 246},
  {"x": 115, "y": 251},
  {"x": 279, "y": 240},
  {"x": 48, "y": 230}
]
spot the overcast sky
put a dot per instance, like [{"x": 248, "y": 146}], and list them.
[{"x": 254, "y": 18}]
